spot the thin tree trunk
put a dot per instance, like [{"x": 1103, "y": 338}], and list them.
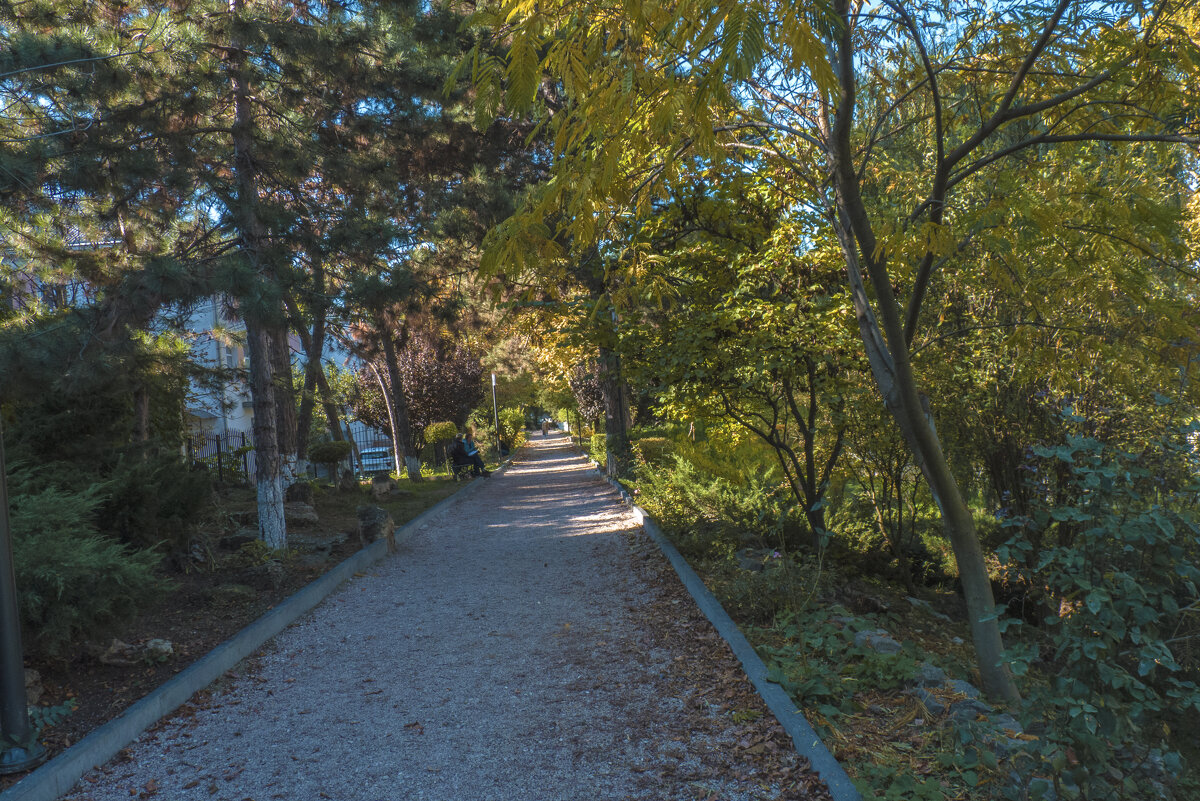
[
  {"x": 401, "y": 430},
  {"x": 314, "y": 351},
  {"x": 272, "y": 526},
  {"x": 887, "y": 353},
  {"x": 314, "y": 377},
  {"x": 391, "y": 412}
]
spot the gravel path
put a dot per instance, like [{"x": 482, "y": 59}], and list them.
[{"x": 502, "y": 654}]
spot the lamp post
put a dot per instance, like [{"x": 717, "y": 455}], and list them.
[
  {"x": 496, "y": 414},
  {"x": 19, "y": 751}
]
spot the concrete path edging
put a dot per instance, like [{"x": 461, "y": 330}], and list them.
[
  {"x": 60, "y": 774},
  {"x": 807, "y": 743}
]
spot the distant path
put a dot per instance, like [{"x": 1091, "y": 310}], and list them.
[{"x": 501, "y": 655}]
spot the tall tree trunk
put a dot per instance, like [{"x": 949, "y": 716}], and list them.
[
  {"x": 616, "y": 414},
  {"x": 272, "y": 526},
  {"x": 314, "y": 351},
  {"x": 333, "y": 417},
  {"x": 290, "y": 458},
  {"x": 401, "y": 429},
  {"x": 141, "y": 415},
  {"x": 314, "y": 374},
  {"x": 887, "y": 353}
]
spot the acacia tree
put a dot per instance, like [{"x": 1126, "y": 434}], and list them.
[{"x": 825, "y": 92}]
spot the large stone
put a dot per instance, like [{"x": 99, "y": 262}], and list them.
[
  {"x": 383, "y": 485},
  {"x": 1007, "y": 724},
  {"x": 928, "y": 607},
  {"x": 300, "y": 492},
  {"x": 963, "y": 688},
  {"x": 374, "y": 524},
  {"x": 120, "y": 654},
  {"x": 878, "y": 641},
  {"x": 750, "y": 559},
  {"x": 300, "y": 514},
  {"x": 929, "y": 675},
  {"x": 158, "y": 650},
  {"x": 968, "y": 709},
  {"x": 244, "y": 536}
]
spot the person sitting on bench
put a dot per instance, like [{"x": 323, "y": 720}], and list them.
[
  {"x": 473, "y": 454},
  {"x": 460, "y": 462}
]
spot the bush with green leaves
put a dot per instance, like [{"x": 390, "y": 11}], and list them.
[
  {"x": 711, "y": 516},
  {"x": 598, "y": 449},
  {"x": 1111, "y": 558},
  {"x": 329, "y": 452},
  {"x": 440, "y": 432},
  {"x": 73, "y": 583},
  {"x": 756, "y": 597},
  {"x": 512, "y": 426},
  {"x": 147, "y": 500}
]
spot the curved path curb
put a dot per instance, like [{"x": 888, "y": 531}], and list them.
[
  {"x": 807, "y": 743},
  {"x": 60, "y": 774}
]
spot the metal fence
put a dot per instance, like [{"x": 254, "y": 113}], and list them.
[{"x": 230, "y": 455}]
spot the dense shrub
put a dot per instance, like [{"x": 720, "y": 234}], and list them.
[
  {"x": 598, "y": 449},
  {"x": 72, "y": 582},
  {"x": 862, "y": 544},
  {"x": 329, "y": 452},
  {"x": 512, "y": 427},
  {"x": 440, "y": 432},
  {"x": 710, "y": 516},
  {"x": 1112, "y": 555},
  {"x": 151, "y": 500},
  {"x": 756, "y": 597}
]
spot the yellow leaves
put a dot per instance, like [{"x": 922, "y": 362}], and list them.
[{"x": 523, "y": 73}]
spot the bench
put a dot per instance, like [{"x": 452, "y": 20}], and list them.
[{"x": 460, "y": 470}]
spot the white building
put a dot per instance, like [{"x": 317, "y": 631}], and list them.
[{"x": 221, "y": 405}]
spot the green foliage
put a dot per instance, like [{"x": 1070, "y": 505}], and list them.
[
  {"x": 329, "y": 452},
  {"x": 915, "y": 554},
  {"x": 891, "y": 783},
  {"x": 152, "y": 499},
  {"x": 598, "y": 449},
  {"x": 1112, "y": 562},
  {"x": 257, "y": 552},
  {"x": 440, "y": 432},
  {"x": 73, "y": 584},
  {"x": 512, "y": 426},
  {"x": 713, "y": 509},
  {"x": 42, "y": 718},
  {"x": 821, "y": 667},
  {"x": 756, "y": 597}
]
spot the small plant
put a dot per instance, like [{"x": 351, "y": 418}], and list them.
[
  {"x": 257, "y": 552},
  {"x": 42, "y": 718}
]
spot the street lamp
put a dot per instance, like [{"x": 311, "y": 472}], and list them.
[
  {"x": 19, "y": 750},
  {"x": 496, "y": 413}
]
